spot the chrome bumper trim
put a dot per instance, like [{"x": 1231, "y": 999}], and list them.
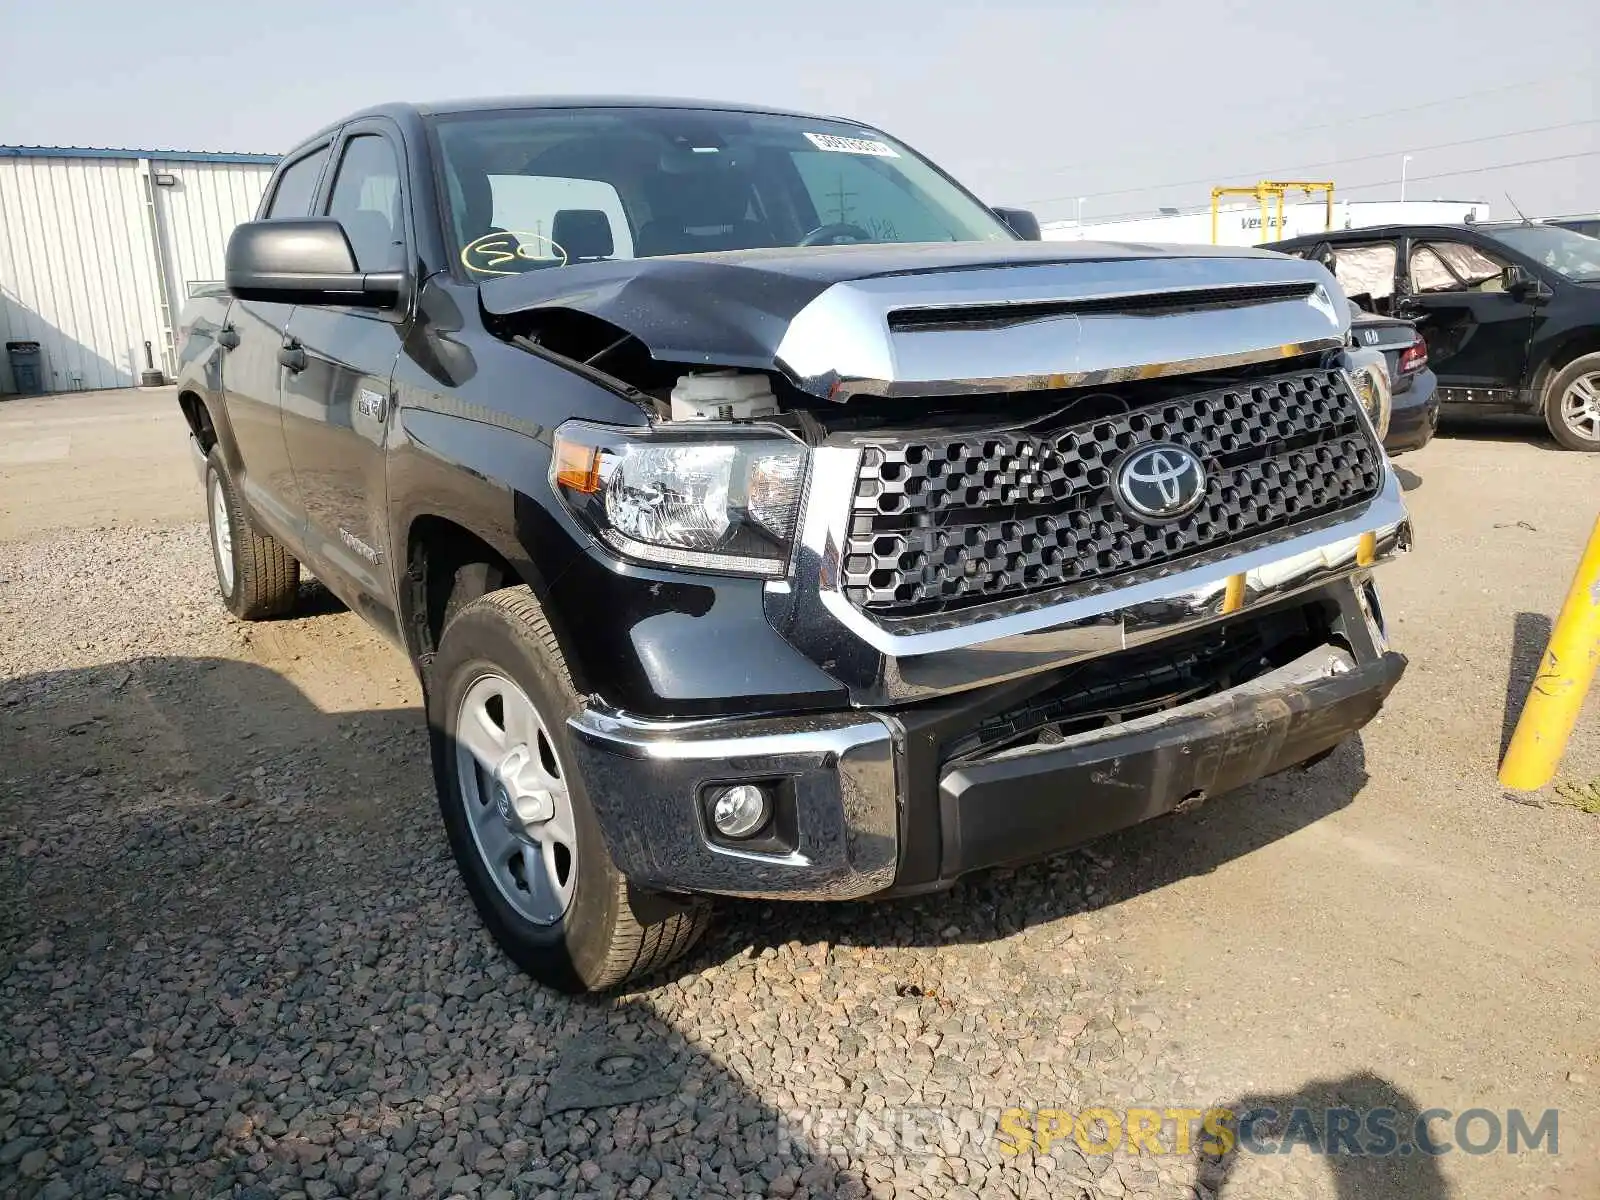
[
  {"x": 893, "y": 662},
  {"x": 645, "y": 778}
]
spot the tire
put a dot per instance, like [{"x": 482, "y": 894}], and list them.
[
  {"x": 1572, "y": 404},
  {"x": 584, "y": 930},
  {"x": 256, "y": 576}
]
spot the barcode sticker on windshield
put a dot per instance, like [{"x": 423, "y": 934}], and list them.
[{"x": 844, "y": 145}]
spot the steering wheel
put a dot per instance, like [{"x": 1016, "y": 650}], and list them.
[{"x": 829, "y": 235}]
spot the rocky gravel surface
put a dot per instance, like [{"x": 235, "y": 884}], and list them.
[{"x": 235, "y": 961}]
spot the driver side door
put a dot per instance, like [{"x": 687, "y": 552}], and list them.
[{"x": 1477, "y": 333}]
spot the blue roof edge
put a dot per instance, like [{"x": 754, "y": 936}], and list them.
[{"x": 161, "y": 155}]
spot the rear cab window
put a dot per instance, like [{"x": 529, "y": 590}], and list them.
[{"x": 528, "y": 208}]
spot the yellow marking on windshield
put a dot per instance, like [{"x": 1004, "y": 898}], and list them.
[{"x": 486, "y": 255}]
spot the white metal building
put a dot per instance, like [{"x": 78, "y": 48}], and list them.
[
  {"x": 99, "y": 250},
  {"x": 1240, "y": 224}
]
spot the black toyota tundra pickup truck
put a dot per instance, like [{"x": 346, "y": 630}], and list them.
[{"x": 766, "y": 517}]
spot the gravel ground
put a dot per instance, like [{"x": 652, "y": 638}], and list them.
[{"x": 236, "y": 961}]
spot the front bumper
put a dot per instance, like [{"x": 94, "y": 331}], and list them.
[
  {"x": 1037, "y": 802},
  {"x": 875, "y": 807},
  {"x": 1415, "y": 418}
]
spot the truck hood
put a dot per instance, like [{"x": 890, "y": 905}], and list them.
[{"x": 951, "y": 318}]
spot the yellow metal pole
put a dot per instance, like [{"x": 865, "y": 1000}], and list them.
[
  {"x": 1215, "y": 195},
  {"x": 1565, "y": 673},
  {"x": 1233, "y": 594}
]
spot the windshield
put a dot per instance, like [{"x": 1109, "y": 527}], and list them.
[
  {"x": 532, "y": 189},
  {"x": 1572, "y": 254}
]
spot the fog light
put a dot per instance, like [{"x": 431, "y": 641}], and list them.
[{"x": 740, "y": 810}]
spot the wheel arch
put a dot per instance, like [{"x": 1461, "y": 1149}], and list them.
[
  {"x": 207, "y": 419},
  {"x": 1561, "y": 354},
  {"x": 197, "y": 415}
]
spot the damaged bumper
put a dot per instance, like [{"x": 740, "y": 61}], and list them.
[
  {"x": 874, "y": 802},
  {"x": 1035, "y": 802}
]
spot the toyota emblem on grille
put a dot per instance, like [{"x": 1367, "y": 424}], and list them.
[{"x": 1161, "y": 481}]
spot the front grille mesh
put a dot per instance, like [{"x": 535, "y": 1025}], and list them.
[{"x": 942, "y": 524}]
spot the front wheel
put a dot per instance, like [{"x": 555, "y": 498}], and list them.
[
  {"x": 255, "y": 574},
  {"x": 1572, "y": 404},
  {"x": 520, "y": 825}
]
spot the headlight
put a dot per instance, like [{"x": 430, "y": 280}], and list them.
[
  {"x": 1368, "y": 372},
  {"x": 717, "y": 501}
]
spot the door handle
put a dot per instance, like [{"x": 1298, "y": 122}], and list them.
[
  {"x": 292, "y": 355},
  {"x": 228, "y": 337}
]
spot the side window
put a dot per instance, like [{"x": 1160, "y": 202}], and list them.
[
  {"x": 366, "y": 201},
  {"x": 1366, "y": 270},
  {"x": 845, "y": 190},
  {"x": 297, "y": 185},
  {"x": 1454, "y": 267}
]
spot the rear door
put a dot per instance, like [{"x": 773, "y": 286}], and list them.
[
  {"x": 1477, "y": 334},
  {"x": 252, "y": 375},
  {"x": 337, "y": 402}
]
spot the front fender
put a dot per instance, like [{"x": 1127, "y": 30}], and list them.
[
  {"x": 651, "y": 641},
  {"x": 199, "y": 376},
  {"x": 486, "y": 478}
]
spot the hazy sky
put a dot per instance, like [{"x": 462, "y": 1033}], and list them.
[{"x": 1132, "y": 104}]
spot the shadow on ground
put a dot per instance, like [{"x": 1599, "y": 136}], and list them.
[
  {"x": 235, "y": 961},
  {"x": 1530, "y": 633},
  {"x": 1410, "y": 481},
  {"x": 150, "y": 752},
  {"x": 1362, "y": 1129},
  {"x": 1472, "y": 427}
]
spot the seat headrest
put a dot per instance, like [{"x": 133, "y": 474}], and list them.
[
  {"x": 699, "y": 201},
  {"x": 582, "y": 233}
]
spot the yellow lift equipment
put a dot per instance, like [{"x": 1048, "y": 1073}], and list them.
[{"x": 1264, "y": 191}]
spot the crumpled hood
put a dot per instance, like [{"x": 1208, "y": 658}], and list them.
[{"x": 948, "y": 318}]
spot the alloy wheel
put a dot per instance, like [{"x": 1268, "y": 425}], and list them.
[
  {"x": 518, "y": 805},
  {"x": 1580, "y": 406},
  {"x": 221, "y": 533}
]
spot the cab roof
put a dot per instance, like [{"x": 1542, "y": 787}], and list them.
[
  {"x": 406, "y": 112},
  {"x": 1367, "y": 232}
]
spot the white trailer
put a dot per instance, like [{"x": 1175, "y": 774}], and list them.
[{"x": 1240, "y": 224}]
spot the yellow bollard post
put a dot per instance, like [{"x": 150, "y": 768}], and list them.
[
  {"x": 1233, "y": 594},
  {"x": 1565, "y": 673}
]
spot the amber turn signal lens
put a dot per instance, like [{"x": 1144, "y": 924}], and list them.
[{"x": 577, "y": 466}]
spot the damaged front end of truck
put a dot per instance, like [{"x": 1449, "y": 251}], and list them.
[{"x": 1086, "y": 534}]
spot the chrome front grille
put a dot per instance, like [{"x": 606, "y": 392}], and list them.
[{"x": 958, "y": 521}]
